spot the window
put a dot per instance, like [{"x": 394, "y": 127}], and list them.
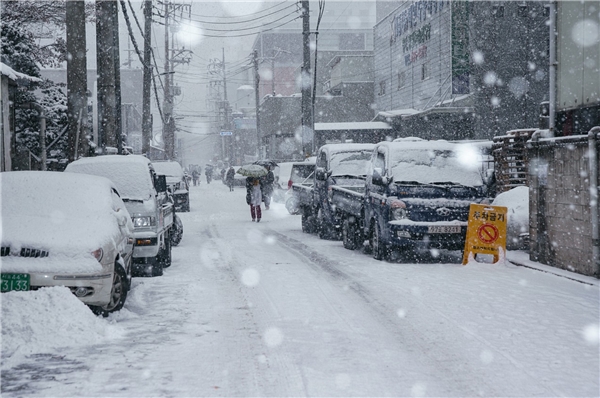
[
  {"x": 498, "y": 11},
  {"x": 424, "y": 71},
  {"x": 523, "y": 10},
  {"x": 382, "y": 85},
  {"x": 401, "y": 80}
]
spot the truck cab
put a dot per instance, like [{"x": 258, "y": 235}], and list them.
[
  {"x": 336, "y": 164},
  {"x": 145, "y": 196},
  {"x": 418, "y": 194}
]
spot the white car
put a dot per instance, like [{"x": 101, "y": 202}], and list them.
[{"x": 66, "y": 229}]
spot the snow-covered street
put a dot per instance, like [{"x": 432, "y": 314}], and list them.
[{"x": 251, "y": 309}]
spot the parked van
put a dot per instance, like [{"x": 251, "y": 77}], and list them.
[{"x": 145, "y": 197}]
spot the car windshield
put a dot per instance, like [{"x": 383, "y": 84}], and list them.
[
  {"x": 428, "y": 166},
  {"x": 350, "y": 163}
]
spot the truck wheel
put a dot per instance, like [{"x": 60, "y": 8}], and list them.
[
  {"x": 164, "y": 255},
  {"x": 378, "y": 248},
  {"x": 324, "y": 229},
  {"x": 349, "y": 234},
  {"x": 308, "y": 223}
]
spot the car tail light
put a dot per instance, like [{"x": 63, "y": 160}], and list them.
[
  {"x": 98, "y": 254},
  {"x": 290, "y": 182}
]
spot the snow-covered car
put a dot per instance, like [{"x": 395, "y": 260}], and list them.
[
  {"x": 177, "y": 181},
  {"x": 66, "y": 229},
  {"x": 289, "y": 173}
]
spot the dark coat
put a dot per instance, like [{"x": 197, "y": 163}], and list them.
[
  {"x": 230, "y": 175},
  {"x": 266, "y": 183}
]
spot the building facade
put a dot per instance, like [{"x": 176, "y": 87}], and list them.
[{"x": 461, "y": 69}]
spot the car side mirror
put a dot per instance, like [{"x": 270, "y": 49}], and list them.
[
  {"x": 321, "y": 174},
  {"x": 377, "y": 178},
  {"x": 160, "y": 183}
]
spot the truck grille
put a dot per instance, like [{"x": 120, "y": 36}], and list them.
[{"x": 24, "y": 252}]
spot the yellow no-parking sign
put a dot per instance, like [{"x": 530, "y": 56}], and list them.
[{"x": 486, "y": 231}]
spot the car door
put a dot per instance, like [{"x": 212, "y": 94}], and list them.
[{"x": 378, "y": 192}]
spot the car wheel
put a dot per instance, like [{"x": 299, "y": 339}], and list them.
[
  {"x": 350, "y": 234},
  {"x": 118, "y": 293},
  {"x": 292, "y": 206},
  {"x": 378, "y": 248}
]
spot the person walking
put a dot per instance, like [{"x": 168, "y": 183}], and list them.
[
  {"x": 195, "y": 177},
  {"x": 254, "y": 197},
  {"x": 229, "y": 177},
  {"x": 266, "y": 185},
  {"x": 208, "y": 171}
]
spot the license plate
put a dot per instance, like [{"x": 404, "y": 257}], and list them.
[
  {"x": 16, "y": 282},
  {"x": 444, "y": 229}
]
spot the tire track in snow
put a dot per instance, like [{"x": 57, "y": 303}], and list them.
[
  {"x": 271, "y": 368},
  {"x": 442, "y": 354}
]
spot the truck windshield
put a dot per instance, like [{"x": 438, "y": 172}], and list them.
[
  {"x": 433, "y": 166},
  {"x": 350, "y": 163}
]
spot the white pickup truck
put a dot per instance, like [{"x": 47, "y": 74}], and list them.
[{"x": 145, "y": 196}]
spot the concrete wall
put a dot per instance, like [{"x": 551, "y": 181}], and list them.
[{"x": 559, "y": 204}]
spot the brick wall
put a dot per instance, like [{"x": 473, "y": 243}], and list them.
[{"x": 559, "y": 204}]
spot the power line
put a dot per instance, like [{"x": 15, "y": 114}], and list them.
[
  {"x": 242, "y": 16},
  {"x": 241, "y": 22},
  {"x": 248, "y": 34}
]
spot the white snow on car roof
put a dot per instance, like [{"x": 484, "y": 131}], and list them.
[
  {"x": 433, "y": 161},
  {"x": 168, "y": 168},
  {"x": 129, "y": 173},
  {"x": 66, "y": 213}
]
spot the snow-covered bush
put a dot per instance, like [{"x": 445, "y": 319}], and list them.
[{"x": 517, "y": 202}]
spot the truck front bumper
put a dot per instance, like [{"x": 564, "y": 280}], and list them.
[
  {"x": 145, "y": 244},
  {"x": 428, "y": 235}
]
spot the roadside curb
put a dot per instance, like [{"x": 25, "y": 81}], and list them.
[{"x": 521, "y": 259}]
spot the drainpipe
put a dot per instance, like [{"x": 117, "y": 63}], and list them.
[
  {"x": 552, "y": 71},
  {"x": 593, "y": 154}
]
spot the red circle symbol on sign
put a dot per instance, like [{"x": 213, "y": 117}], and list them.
[{"x": 488, "y": 233}]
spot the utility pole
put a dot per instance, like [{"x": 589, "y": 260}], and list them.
[
  {"x": 106, "y": 13},
  {"x": 168, "y": 131},
  {"x": 226, "y": 125},
  {"x": 307, "y": 124},
  {"x": 147, "y": 79},
  {"x": 117, "y": 72},
  {"x": 76, "y": 80},
  {"x": 257, "y": 101}
]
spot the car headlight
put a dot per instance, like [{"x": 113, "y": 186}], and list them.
[
  {"x": 98, "y": 253},
  {"x": 145, "y": 221},
  {"x": 398, "y": 209}
]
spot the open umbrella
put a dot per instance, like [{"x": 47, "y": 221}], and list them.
[
  {"x": 266, "y": 163},
  {"x": 252, "y": 170}
]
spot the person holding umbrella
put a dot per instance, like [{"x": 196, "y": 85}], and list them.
[
  {"x": 267, "y": 181},
  {"x": 254, "y": 197}
]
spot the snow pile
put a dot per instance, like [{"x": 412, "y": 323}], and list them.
[
  {"x": 48, "y": 320},
  {"x": 517, "y": 202}
]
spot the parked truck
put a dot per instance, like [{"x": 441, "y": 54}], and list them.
[
  {"x": 336, "y": 165},
  {"x": 416, "y": 194},
  {"x": 145, "y": 196}
]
